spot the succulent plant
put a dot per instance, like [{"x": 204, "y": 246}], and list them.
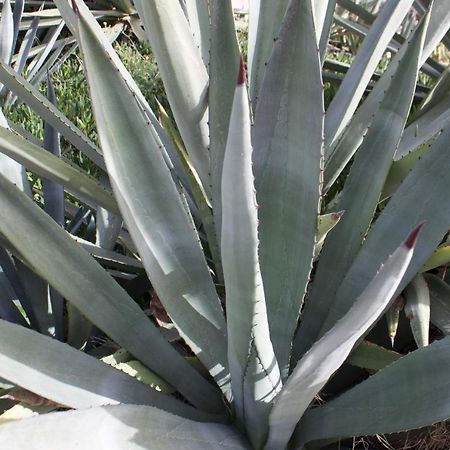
[{"x": 236, "y": 194}]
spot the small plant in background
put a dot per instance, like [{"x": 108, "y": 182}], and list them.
[{"x": 263, "y": 294}]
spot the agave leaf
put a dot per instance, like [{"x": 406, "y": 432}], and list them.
[
  {"x": 120, "y": 356},
  {"x": 17, "y": 17},
  {"x": 393, "y": 317},
  {"x": 8, "y": 309},
  {"x": 65, "y": 9},
  {"x": 417, "y": 309},
  {"x": 70, "y": 270},
  {"x": 416, "y": 382},
  {"x": 55, "y": 61},
  {"x": 24, "y": 411},
  {"x": 137, "y": 370},
  {"x": 36, "y": 290},
  {"x": 66, "y": 376},
  {"x": 325, "y": 224},
  {"x": 265, "y": 21},
  {"x": 43, "y": 23},
  {"x": 39, "y": 48},
  {"x": 372, "y": 356},
  {"x": 223, "y": 70},
  {"x": 198, "y": 17},
  {"x": 254, "y": 369},
  {"x": 184, "y": 171},
  {"x": 51, "y": 167},
  {"x": 9, "y": 168},
  {"x": 184, "y": 75},
  {"x": 197, "y": 192},
  {"x": 109, "y": 257},
  {"x": 79, "y": 329},
  {"x": 339, "y": 155},
  {"x": 54, "y": 207},
  {"x": 359, "y": 197},
  {"x": 352, "y": 88},
  {"x": 439, "y": 91},
  {"x": 124, "y": 426},
  {"x": 49, "y": 44},
  {"x": 424, "y": 129},
  {"x": 287, "y": 139},
  {"x": 26, "y": 45},
  {"x": 329, "y": 352},
  {"x": 6, "y": 32},
  {"x": 108, "y": 228},
  {"x": 104, "y": 39},
  {"x": 400, "y": 170},
  {"x": 153, "y": 209},
  {"x": 420, "y": 197},
  {"x": 108, "y": 225},
  {"x": 440, "y": 257},
  {"x": 10, "y": 271},
  {"x": 440, "y": 302},
  {"x": 324, "y": 11},
  {"x": 33, "y": 98}
]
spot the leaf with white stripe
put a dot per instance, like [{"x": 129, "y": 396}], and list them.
[
  {"x": 184, "y": 75},
  {"x": 329, "y": 353},
  {"x": 287, "y": 141},
  {"x": 72, "y": 378},
  {"x": 352, "y": 88},
  {"x": 123, "y": 427},
  {"x": 360, "y": 195},
  {"x": 53, "y": 255},
  {"x": 153, "y": 208},
  {"x": 410, "y": 393},
  {"x": 254, "y": 369}
]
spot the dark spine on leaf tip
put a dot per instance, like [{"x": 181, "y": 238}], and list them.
[{"x": 411, "y": 240}]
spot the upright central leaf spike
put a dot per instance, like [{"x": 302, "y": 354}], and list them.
[{"x": 254, "y": 369}]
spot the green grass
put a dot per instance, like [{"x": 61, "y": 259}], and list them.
[{"x": 74, "y": 101}]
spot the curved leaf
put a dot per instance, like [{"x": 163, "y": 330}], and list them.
[
  {"x": 52, "y": 254},
  {"x": 199, "y": 18},
  {"x": 346, "y": 146},
  {"x": 440, "y": 257},
  {"x": 359, "y": 197},
  {"x": 287, "y": 141},
  {"x": 6, "y": 32},
  {"x": 33, "y": 98},
  {"x": 440, "y": 302},
  {"x": 372, "y": 356},
  {"x": 421, "y": 197},
  {"x": 51, "y": 167},
  {"x": 408, "y": 394},
  {"x": 424, "y": 129},
  {"x": 184, "y": 75},
  {"x": 328, "y": 353},
  {"x": 325, "y": 224},
  {"x": 265, "y": 21},
  {"x": 54, "y": 207},
  {"x": 69, "y": 377},
  {"x": 254, "y": 369},
  {"x": 121, "y": 427},
  {"x": 153, "y": 208},
  {"x": 223, "y": 70},
  {"x": 417, "y": 309},
  {"x": 353, "y": 85}
]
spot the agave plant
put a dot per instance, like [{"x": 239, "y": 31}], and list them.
[{"x": 237, "y": 194}]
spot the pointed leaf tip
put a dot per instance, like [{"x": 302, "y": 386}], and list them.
[
  {"x": 337, "y": 215},
  {"x": 411, "y": 240},
  {"x": 241, "y": 75}
]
